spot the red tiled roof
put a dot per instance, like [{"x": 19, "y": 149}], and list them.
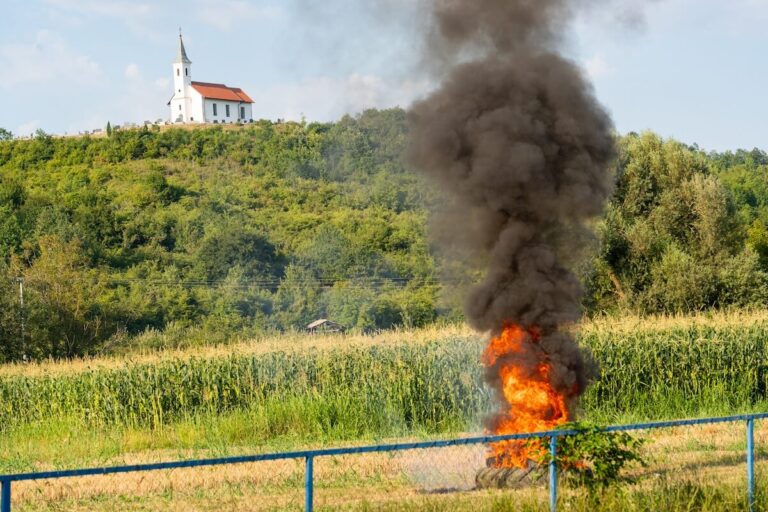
[{"x": 221, "y": 92}]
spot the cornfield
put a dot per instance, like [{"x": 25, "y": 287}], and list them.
[
  {"x": 361, "y": 390},
  {"x": 432, "y": 385},
  {"x": 683, "y": 370}
]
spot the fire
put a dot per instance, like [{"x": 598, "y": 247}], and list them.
[{"x": 532, "y": 404}]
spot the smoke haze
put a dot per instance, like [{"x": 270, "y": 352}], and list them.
[{"x": 515, "y": 133}]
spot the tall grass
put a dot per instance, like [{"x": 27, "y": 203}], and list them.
[{"x": 413, "y": 383}]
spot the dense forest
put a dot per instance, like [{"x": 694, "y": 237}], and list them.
[{"x": 268, "y": 227}]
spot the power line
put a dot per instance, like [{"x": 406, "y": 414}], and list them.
[
  {"x": 356, "y": 282},
  {"x": 277, "y": 284},
  {"x": 324, "y": 282}
]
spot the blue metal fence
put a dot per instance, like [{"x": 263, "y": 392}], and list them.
[{"x": 310, "y": 455}]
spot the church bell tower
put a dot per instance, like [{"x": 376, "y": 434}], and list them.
[{"x": 182, "y": 81}]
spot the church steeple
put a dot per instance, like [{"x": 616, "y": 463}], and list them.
[
  {"x": 181, "y": 55},
  {"x": 182, "y": 83}
]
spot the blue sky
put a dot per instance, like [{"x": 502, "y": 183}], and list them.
[{"x": 695, "y": 70}]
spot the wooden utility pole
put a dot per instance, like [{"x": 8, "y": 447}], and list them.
[{"x": 21, "y": 304}]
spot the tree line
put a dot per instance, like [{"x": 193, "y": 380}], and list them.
[{"x": 273, "y": 225}]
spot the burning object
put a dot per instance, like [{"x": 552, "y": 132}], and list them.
[
  {"x": 515, "y": 133},
  {"x": 510, "y": 478},
  {"x": 530, "y": 401}
]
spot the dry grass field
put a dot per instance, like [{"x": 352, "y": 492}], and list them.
[{"x": 708, "y": 462}]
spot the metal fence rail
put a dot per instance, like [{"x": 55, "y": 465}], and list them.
[{"x": 310, "y": 455}]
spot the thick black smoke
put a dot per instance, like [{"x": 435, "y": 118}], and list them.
[{"x": 514, "y": 131}]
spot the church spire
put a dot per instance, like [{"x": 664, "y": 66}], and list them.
[{"x": 181, "y": 55}]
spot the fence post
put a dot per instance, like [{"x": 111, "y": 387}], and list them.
[
  {"x": 309, "y": 485},
  {"x": 751, "y": 463},
  {"x": 553, "y": 474},
  {"x": 5, "y": 499}
]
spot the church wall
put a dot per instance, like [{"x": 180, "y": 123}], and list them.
[
  {"x": 196, "y": 106},
  {"x": 221, "y": 117},
  {"x": 248, "y": 111},
  {"x": 175, "y": 112}
]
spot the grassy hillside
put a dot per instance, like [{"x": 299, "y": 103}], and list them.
[
  {"x": 178, "y": 237},
  {"x": 258, "y": 229}
]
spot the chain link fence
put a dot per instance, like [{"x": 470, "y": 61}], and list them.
[{"x": 689, "y": 465}]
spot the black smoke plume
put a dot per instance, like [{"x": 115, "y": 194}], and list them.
[{"x": 515, "y": 133}]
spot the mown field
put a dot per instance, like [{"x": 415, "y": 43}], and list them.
[
  {"x": 698, "y": 469},
  {"x": 299, "y": 391}
]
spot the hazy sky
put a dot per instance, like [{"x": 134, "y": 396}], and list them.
[{"x": 696, "y": 70}]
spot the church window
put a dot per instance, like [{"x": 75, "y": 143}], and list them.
[
  {"x": 186, "y": 71},
  {"x": 177, "y": 72},
  {"x": 179, "y": 107},
  {"x": 226, "y": 107},
  {"x": 214, "y": 110},
  {"x": 242, "y": 112}
]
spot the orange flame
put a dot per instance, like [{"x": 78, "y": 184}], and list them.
[{"x": 532, "y": 403}]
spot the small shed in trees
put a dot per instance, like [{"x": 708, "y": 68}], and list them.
[{"x": 324, "y": 325}]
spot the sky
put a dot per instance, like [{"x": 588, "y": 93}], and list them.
[{"x": 694, "y": 70}]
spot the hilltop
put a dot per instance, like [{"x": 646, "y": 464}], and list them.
[
  {"x": 170, "y": 237},
  {"x": 263, "y": 227}
]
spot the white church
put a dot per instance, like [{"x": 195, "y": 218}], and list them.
[{"x": 203, "y": 102}]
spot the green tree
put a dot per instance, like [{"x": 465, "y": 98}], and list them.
[
  {"x": 757, "y": 239},
  {"x": 669, "y": 233},
  {"x": 64, "y": 301},
  {"x": 349, "y": 304},
  {"x": 11, "y": 341},
  {"x": 236, "y": 245},
  {"x": 298, "y": 300},
  {"x": 11, "y": 233}
]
